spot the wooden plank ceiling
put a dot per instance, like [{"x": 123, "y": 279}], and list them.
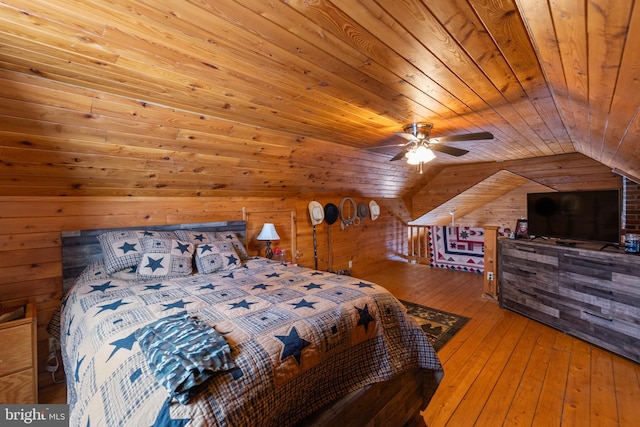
[{"x": 292, "y": 97}]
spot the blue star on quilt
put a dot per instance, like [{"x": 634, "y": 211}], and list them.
[
  {"x": 228, "y": 276},
  {"x": 273, "y": 275},
  {"x": 182, "y": 247},
  {"x": 303, "y": 304},
  {"x": 77, "y": 373},
  {"x": 126, "y": 342},
  {"x": 364, "y": 285},
  {"x": 312, "y": 286},
  {"x": 177, "y": 304},
  {"x": 155, "y": 287},
  {"x": 209, "y": 286},
  {"x": 128, "y": 247},
  {"x": 154, "y": 264},
  {"x": 164, "y": 417},
  {"x": 147, "y": 233},
  {"x": 365, "y": 317},
  {"x": 113, "y": 306},
  {"x": 205, "y": 248},
  {"x": 70, "y": 323},
  {"x": 198, "y": 237},
  {"x": 229, "y": 236},
  {"x": 261, "y": 286},
  {"x": 317, "y": 273},
  {"x": 102, "y": 287},
  {"x": 293, "y": 345},
  {"x": 232, "y": 260},
  {"x": 242, "y": 304}
]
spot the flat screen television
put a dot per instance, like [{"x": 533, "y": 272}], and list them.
[{"x": 593, "y": 215}]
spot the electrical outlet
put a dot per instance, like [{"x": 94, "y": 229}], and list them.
[
  {"x": 350, "y": 264},
  {"x": 490, "y": 275}
]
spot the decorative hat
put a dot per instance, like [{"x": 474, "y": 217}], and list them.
[
  {"x": 363, "y": 210},
  {"x": 374, "y": 209},
  {"x": 331, "y": 213},
  {"x": 316, "y": 213}
]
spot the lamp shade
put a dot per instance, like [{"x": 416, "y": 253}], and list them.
[{"x": 268, "y": 232}]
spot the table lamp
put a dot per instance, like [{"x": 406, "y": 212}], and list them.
[{"x": 268, "y": 233}]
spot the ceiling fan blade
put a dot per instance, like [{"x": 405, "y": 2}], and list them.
[
  {"x": 399, "y": 155},
  {"x": 453, "y": 151},
  {"x": 407, "y": 136},
  {"x": 466, "y": 137},
  {"x": 402, "y": 144}
]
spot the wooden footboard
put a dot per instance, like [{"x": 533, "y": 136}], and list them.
[{"x": 397, "y": 402}]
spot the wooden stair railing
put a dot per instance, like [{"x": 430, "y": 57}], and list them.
[{"x": 418, "y": 236}]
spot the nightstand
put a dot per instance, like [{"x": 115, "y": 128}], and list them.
[{"x": 18, "y": 359}]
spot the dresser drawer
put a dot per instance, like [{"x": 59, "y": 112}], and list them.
[
  {"x": 18, "y": 387},
  {"x": 15, "y": 351}
]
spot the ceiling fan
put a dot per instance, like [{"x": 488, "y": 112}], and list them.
[{"x": 419, "y": 148}]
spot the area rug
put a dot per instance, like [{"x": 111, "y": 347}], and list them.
[{"x": 439, "y": 326}]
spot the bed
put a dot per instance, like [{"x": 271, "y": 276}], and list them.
[{"x": 292, "y": 345}]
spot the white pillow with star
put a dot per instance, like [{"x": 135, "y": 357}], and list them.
[
  {"x": 122, "y": 249},
  {"x": 216, "y": 256},
  {"x": 165, "y": 258},
  {"x": 200, "y": 237}
]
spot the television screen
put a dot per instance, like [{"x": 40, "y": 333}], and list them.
[{"x": 577, "y": 215}]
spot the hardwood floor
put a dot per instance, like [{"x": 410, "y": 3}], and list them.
[{"x": 503, "y": 369}]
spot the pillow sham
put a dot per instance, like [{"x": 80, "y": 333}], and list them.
[
  {"x": 95, "y": 270},
  {"x": 165, "y": 258},
  {"x": 216, "y": 256},
  {"x": 198, "y": 237},
  {"x": 122, "y": 249}
]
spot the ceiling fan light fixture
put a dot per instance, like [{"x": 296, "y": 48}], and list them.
[{"x": 419, "y": 155}]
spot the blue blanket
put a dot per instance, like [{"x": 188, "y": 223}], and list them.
[{"x": 183, "y": 353}]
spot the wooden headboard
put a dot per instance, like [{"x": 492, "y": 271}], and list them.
[{"x": 81, "y": 247}]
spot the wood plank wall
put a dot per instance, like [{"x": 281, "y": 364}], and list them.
[{"x": 30, "y": 254}]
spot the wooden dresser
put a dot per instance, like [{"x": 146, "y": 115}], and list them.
[
  {"x": 590, "y": 294},
  {"x": 18, "y": 359}
]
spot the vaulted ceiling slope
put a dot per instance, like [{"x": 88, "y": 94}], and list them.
[{"x": 330, "y": 80}]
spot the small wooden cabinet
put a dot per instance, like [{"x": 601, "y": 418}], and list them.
[
  {"x": 590, "y": 294},
  {"x": 18, "y": 359}
]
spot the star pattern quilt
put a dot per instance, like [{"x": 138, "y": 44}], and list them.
[{"x": 299, "y": 339}]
